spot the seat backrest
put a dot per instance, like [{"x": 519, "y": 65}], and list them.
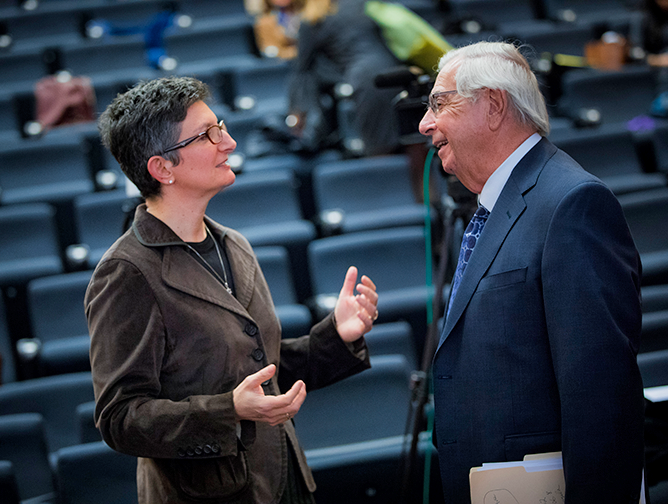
[
  {"x": 585, "y": 7},
  {"x": 392, "y": 338},
  {"x": 646, "y": 213},
  {"x": 545, "y": 36},
  {"x": 232, "y": 34},
  {"x": 605, "y": 151},
  {"x": 259, "y": 198},
  {"x": 266, "y": 82},
  {"x": 22, "y": 67},
  {"x": 9, "y": 488},
  {"x": 93, "y": 472},
  {"x": 99, "y": 218},
  {"x": 654, "y": 368},
  {"x": 29, "y": 247},
  {"x": 99, "y": 56},
  {"x": 617, "y": 95},
  {"x": 275, "y": 265},
  {"x": 55, "y": 304},
  {"x": 22, "y": 442},
  {"x": 55, "y": 398},
  {"x": 46, "y": 170},
  {"x": 88, "y": 432},
  {"x": 6, "y": 348},
  {"x": 492, "y": 12},
  {"x": 361, "y": 184},
  {"x": 393, "y": 258},
  {"x": 373, "y": 404}
]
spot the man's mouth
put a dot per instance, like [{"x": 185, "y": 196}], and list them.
[{"x": 440, "y": 144}]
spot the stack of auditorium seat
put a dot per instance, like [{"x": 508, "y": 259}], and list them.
[{"x": 63, "y": 202}]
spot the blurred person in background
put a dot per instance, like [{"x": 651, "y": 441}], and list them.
[
  {"x": 338, "y": 43},
  {"x": 276, "y": 28},
  {"x": 655, "y": 31}
]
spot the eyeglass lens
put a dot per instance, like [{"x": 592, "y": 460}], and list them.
[{"x": 215, "y": 133}]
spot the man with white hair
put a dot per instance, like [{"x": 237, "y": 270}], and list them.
[{"x": 538, "y": 349}]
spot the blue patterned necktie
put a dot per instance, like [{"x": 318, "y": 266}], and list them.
[{"x": 471, "y": 236}]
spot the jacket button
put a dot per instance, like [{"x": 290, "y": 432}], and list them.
[
  {"x": 181, "y": 452},
  {"x": 190, "y": 451},
  {"x": 257, "y": 354},
  {"x": 198, "y": 450},
  {"x": 207, "y": 449},
  {"x": 215, "y": 447},
  {"x": 250, "y": 329}
]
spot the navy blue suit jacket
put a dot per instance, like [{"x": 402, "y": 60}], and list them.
[{"x": 539, "y": 350}]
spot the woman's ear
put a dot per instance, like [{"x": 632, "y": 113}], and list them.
[{"x": 160, "y": 169}]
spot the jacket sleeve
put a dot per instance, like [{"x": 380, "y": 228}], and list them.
[
  {"x": 591, "y": 278},
  {"x": 321, "y": 358},
  {"x": 128, "y": 344}
]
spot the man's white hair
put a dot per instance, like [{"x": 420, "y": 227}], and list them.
[{"x": 499, "y": 65}]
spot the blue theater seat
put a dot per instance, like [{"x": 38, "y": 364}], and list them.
[
  {"x": 55, "y": 304},
  {"x": 373, "y": 404},
  {"x": 29, "y": 247},
  {"x": 55, "y": 398},
  {"x": 365, "y": 193},
  {"x": 23, "y": 443}
]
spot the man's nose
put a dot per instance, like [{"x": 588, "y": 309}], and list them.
[{"x": 427, "y": 123}]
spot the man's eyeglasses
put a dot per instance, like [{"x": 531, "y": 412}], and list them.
[
  {"x": 213, "y": 133},
  {"x": 433, "y": 103}
]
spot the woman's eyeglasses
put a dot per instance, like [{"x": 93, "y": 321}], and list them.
[{"x": 213, "y": 133}]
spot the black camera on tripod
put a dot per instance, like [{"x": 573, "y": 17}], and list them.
[{"x": 410, "y": 103}]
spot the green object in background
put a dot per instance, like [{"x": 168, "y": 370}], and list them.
[{"x": 410, "y": 38}]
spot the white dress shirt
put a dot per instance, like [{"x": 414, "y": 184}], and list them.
[{"x": 496, "y": 182}]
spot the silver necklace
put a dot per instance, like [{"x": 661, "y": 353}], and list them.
[{"x": 220, "y": 258}]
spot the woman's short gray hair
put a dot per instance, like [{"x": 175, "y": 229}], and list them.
[
  {"x": 499, "y": 65},
  {"x": 144, "y": 121}
]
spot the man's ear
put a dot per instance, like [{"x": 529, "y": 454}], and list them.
[
  {"x": 498, "y": 107},
  {"x": 160, "y": 169}
]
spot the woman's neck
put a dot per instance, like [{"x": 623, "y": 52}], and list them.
[{"x": 185, "y": 220}]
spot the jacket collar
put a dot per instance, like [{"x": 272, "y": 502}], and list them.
[
  {"x": 178, "y": 265},
  {"x": 508, "y": 208}
]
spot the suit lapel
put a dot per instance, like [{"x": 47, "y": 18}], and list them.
[{"x": 507, "y": 210}]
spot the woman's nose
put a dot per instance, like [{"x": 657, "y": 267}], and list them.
[{"x": 228, "y": 142}]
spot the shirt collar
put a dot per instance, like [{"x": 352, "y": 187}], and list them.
[{"x": 496, "y": 182}]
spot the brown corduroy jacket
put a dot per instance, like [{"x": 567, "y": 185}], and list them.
[{"x": 169, "y": 345}]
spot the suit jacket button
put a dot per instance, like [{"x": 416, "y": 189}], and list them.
[
  {"x": 198, "y": 450},
  {"x": 207, "y": 449},
  {"x": 181, "y": 452},
  {"x": 250, "y": 329},
  {"x": 257, "y": 354},
  {"x": 215, "y": 447},
  {"x": 190, "y": 451}
]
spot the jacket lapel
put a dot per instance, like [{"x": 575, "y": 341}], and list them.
[
  {"x": 508, "y": 208},
  {"x": 181, "y": 271}
]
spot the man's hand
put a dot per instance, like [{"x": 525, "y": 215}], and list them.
[
  {"x": 355, "y": 314},
  {"x": 250, "y": 403}
]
